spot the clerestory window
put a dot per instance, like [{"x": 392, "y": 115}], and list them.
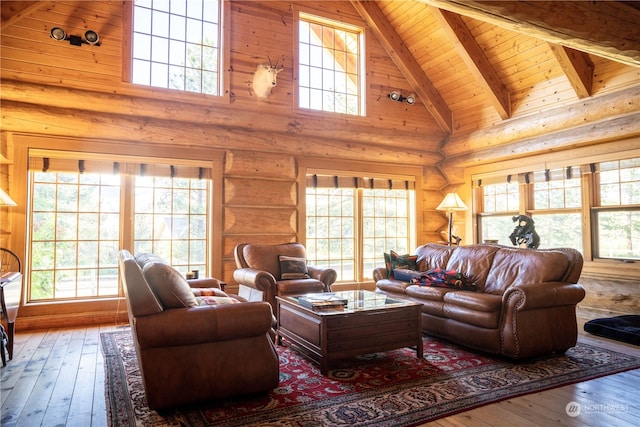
[
  {"x": 330, "y": 64},
  {"x": 177, "y": 45}
]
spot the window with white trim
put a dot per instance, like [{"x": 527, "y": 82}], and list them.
[
  {"x": 176, "y": 45},
  {"x": 330, "y": 64}
]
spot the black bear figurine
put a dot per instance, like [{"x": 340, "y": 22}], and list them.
[{"x": 524, "y": 233}]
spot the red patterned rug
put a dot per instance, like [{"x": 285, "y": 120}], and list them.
[{"x": 382, "y": 389}]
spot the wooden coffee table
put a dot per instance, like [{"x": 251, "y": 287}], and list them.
[{"x": 370, "y": 322}]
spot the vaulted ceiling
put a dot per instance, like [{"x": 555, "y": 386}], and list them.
[{"x": 495, "y": 51}]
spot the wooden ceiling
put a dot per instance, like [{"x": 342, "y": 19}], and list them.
[{"x": 498, "y": 52}]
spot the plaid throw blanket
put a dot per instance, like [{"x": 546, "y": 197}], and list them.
[{"x": 444, "y": 279}]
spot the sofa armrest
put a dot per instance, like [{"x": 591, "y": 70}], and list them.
[
  {"x": 202, "y": 324},
  {"x": 206, "y": 282},
  {"x": 546, "y": 294},
  {"x": 325, "y": 275},
  {"x": 379, "y": 273}
]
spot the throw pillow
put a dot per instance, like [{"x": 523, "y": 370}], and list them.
[
  {"x": 209, "y": 300},
  {"x": 444, "y": 279},
  {"x": 171, "y": 289},
  {"x": 392, "y": 261},
  {"x": 405, "y": 275},
  {"x": 293, "y": 268},
  {"x": 208, "y": 292}
]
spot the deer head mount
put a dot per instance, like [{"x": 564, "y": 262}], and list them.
[{"x": 264, "y": 79}]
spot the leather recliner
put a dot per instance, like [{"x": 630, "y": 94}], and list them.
[
  {"x": 259, "y": 272},
  {"x": 192, "y": 350}
]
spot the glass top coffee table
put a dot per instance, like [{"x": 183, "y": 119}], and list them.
[{"x": 338, "y": 325}]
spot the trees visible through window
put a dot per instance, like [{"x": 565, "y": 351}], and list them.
[
  {"x": 349, "y": 227},
  {"x": 77, "y": 218},
  {"x": 329, "y": 66},
  {"x": 176, "y": 45},
  {"x": 616, "y": 217}
]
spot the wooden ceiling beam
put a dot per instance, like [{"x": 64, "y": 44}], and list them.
[
  {"x": 577, "y": 67},
  {"x": 404, "y": 60},
  {"x": 475, "y": 59},
  {"x": 608, "y": 29},
  {"x": 14, "y": 11}
]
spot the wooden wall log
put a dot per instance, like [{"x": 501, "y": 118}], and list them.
[
  {"x": 588, "y": 134},
  {"x": 27, "y": 118}
]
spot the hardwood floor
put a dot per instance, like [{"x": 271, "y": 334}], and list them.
[{"x": 56, "y": 378}]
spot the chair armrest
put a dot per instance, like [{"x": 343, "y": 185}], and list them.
[
  {"x": 325, "y": 275},
  {"x": 539, "y": 295},
  {"x": 379, "y": 273},
  {"x": 206, "y": 282},
  {"x": 197, "y": 325},
  {"x": 257, "y": 279}
]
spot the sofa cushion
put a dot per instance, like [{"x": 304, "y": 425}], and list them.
[
  {"x": 514, "y": 267},
  {"x": 433, "y": 255},
  {"x": 293, "y": 267},
  {"x": 426, "y": 292},
  {"x": 170, "y": 287},
  {"x": 145, "y": 258},
  {"x": 474, "y": 262}
]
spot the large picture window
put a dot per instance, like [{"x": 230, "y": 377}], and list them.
[
  {"x": 78, "y": 218},
  {"x": 352, "y": 222}
]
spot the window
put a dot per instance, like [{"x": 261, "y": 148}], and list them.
[
  {"x": 616, "y": 218},
  {"x": 343, "y": 211},
  {"x": 500, "y": 202},
  {"x": 176, "y": 45},
  {"x": 78, "y": 221},
  {"x": 606, "y": 228},
  {"x": 557, "y": 208},
  {"x": 329, "y": 66}
]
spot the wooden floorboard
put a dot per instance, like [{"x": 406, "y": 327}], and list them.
[{"x": 57, "y": 379}]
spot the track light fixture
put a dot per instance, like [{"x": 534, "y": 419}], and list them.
[
  {"x": 397, "y": 96},
  {"x": 90, "y": 37}
]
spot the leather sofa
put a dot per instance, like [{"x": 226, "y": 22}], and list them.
[
  {"x": 260, "y": 274},
  {"x": 195, "y": 343},
  {"x": 524, "y": 304}
]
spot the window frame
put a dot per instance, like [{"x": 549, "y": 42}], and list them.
[
  {"x": 339, "y": 21},
  {"x": 353, "y": 168},
  {"x": 23, "y": 143},
  {"x": 498, "y": 171},
  {"x": 224, "y": 73}
]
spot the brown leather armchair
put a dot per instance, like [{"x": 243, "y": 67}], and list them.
[
  {"x": 195, "y": 344},
  {"x": 260, "y": 276}
]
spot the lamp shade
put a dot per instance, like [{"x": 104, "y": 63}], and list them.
[
  {"x": 452, "y": 202},
  {"x": 5, "y": 200}
]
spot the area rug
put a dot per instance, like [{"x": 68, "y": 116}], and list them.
[
  {"x": 621, "y": 328},
  {"x": 394, "y": 388}
]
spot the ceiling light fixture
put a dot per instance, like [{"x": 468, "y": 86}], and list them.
[
  {"x": 90, "y": 37},
  {"x": 397, "y": 96}
]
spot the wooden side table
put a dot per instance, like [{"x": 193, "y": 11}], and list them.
[{"x": 10, "y": 291}]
